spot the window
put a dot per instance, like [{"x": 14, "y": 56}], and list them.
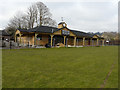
[
  {"x": 39, "y": 37},
  {"x": 65, "y": 32}
]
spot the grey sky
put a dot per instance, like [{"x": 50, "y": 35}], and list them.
[{"x": 83, "y": 15}]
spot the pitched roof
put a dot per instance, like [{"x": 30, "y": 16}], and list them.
[
  {"x": 47, "y": 29},
  {"x": 97, "y": 36},
  {"x": 79, "y": 33},
  {"x": 42, "y": 29}
]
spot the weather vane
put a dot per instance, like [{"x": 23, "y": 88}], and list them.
[{"x": 62, "y": 18}]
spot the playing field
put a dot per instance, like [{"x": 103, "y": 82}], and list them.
[{"x": 85, "y": 67}]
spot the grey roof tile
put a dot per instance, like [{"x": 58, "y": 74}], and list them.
[{"x": 47, "y": 29}]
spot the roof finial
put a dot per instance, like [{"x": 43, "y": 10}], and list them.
[{"x": 62, "y": 18}]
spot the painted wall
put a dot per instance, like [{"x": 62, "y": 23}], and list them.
[
  {"x": 79, "y": 42},
  {"x": 60, "y": 32},
  {"x": 70, "y": 41},
  {"x": 44, "y": 40},
  {"x": 28, "y": 38}
]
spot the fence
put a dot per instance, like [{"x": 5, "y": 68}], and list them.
[{"x": 113, "y": 42}]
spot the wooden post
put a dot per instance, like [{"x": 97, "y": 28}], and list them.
[
  {"x": 15, "y": 37},
  {"x": 64, "y": 39},
  {"x": 102, "y": 42},
  {"x": 91, "y": 41},
  {"x": 83, "y": 41},
  {"x": 24, "y": 41},
  {"x": 20, "y": 38},
  {"x": 74, "y": 41},
  {"x": 35, "y": 38},
  {"x": 51, "y": 39},
  {"x": 97, "y": 41},
  {"x": 67, "y": 42},
  {"x": 77, "y": 42}
]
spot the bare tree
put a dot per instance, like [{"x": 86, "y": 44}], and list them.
[
  {"x": 42, "y": 15},
  {"x": 32, "y": 16},
  {"x": 110, "y": 35},
  {"x": 24, "y": 21},
  {"x": 43, "y": 12},
  {"x": 36, "y": 15},
  {"x": 49, "y": 22},
  {"x": 19, "y": 21},
  {"x": 15, "y": 22}
]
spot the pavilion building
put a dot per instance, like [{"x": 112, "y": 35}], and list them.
[{"x": 63, "y": 36}]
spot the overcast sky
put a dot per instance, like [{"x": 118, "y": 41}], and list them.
[{"x": 82, "y": 15}]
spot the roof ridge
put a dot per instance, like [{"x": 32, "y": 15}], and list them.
[{"x": 47, "y": 26}]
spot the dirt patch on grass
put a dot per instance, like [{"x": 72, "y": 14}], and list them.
[{"x": 109, "y": 73}]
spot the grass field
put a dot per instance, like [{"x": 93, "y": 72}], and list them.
[{"x": 85, "y": 67}]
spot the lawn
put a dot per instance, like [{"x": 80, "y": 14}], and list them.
[{"x": 85, "y": 67}]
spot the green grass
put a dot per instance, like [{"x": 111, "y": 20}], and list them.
[{"x": 85, "y": 67}]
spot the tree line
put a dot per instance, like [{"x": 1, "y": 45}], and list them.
[{"x": 110, "y": 36}]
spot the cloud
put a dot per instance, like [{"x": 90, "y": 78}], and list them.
[
  {"x": 88, "y": 16},
  {"x": 85, "y": 15}
]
